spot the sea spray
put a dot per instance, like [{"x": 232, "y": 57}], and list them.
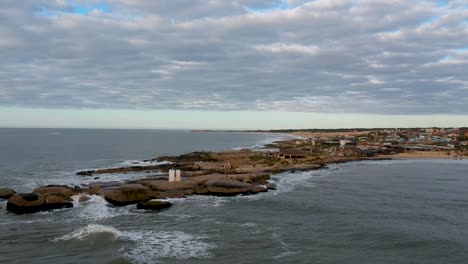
[
  {"x": 89, "y": 231},
  {"x": 144, "y": 246},
  {"x": 97, "y": 208}
]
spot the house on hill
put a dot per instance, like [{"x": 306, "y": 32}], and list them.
[
  {"x": 291, "y": 154},
  {"x": 463, "y": 132}
]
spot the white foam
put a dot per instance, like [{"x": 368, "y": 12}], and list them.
[
  {"x": 208, "y": 201},
  {"x": 89, "y": 230},
  {"x": 59, "y": 178},
  {"x": 98, "y": 209},
  {"x": 76, "y": 200},
  {"x": 143, "y": 163},
  {"x": 287, "y": 182},
  {"x": 151, "y": 245}
]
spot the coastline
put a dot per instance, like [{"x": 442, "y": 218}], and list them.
[
  {"x": 224, "y": 173},
  {"x": 427, "y": 155}
]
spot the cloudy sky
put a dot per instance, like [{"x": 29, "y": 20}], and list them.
[{"x": 233, "y": 64}]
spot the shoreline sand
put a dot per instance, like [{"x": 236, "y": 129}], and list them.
[{"x": 426, "y": 155}]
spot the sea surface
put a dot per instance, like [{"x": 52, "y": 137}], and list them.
[{"x": 405, "y": 211}]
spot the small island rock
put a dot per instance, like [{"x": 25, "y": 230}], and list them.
[
  {"x": 187, "y": 187},
  {"x": 154, "y": 205},
  {"x": 6, "y": 193},
  {"x": 57, "y": 201},
  {"x": 126, "y": 194},
  {"x": 227, "y": 187},
  {"x": 62, "y": 189},
  {"x": 258, "y": 189},
  {"x": 171, "y": 194},
  {"x": 26, "y": 203}
]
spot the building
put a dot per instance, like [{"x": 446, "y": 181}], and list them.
[
  {"x": 421, "y": 147},
  {"x": 291, "y": 154},
  {"x": 464, "y": 133},
  {"x": 364, "y": 153}
]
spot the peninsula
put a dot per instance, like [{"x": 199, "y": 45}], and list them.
[{"x": 240, "y": 172}]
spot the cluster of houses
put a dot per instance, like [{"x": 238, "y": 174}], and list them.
[{"x": 378, "y": 142}]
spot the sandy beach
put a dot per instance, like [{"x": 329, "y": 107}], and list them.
[{"x": 424, "y": 155}]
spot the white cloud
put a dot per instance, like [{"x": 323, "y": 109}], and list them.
[
  {"x": 393, "y": 56},
  {"x": 288, "y": 48}
]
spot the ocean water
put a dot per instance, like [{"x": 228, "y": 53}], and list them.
[{"x": 408, "y": 211}]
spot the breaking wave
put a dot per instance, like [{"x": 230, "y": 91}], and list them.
[
  {"x": 143, "y": 163},
  {"x": 146, "y": 246},
  {"x": 97, "y": 208},
  {"x": 91, "y": 231},
  {"x": 286, "y": 182}
]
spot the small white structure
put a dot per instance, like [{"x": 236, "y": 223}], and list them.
[
  {"x": 171, "y": 175},
  {"x": 343, "y": 142},
  {"x": 177, "y": 176},
  {"x": 174, "y": 175}
]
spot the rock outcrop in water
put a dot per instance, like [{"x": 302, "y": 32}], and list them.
[
  {"x": 227, "y": 187},
  {"x": 186, "y": 187},
  {"x": 126, "y": 194},
  {"x": 54, "y": 189},
  {"x": 154, "y": 205},
  {"x": 242, "y": 172},
  {"x": 6, "y": 193},
  {"x": 26, "y": 203},
  {"x": 57, "y": 201}
]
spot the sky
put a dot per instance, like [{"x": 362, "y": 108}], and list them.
[{"x": 243, "y": 64}]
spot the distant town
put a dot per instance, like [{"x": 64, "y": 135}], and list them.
[{"x": 404, "y": 142}]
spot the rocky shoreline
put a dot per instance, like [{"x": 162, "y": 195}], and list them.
[{"x": 228, "y": 173}]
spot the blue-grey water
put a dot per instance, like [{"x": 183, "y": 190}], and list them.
[{"x": 408, "y": 211}]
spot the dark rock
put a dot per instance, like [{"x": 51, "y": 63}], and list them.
[
  {"x": 77, "y": 191},
  {"x": 57, "y": 201},
  {"x": 227, "y": 187},
  {"x": 85, "y": 173},
  {"x": 126, "y": 194},
  {"x": 26, "y": 203},
  {"x": 187, "y": 187},
  {"x": 201, "y": 190},
  {"x": 189, "y": 157},
  {"x": 258, "y": 189},
  {"x": 6, "y": 193},
  {"x": 63, "y": 189},
  {"x": 84, "y": 198},
  {"x": 171, "y": 194},
  {"x": 270, "y": 186},
  {"x": 154, "y": 205},
  {"x": 95, "y": 187},
  {"x": 126, "y": 169}
]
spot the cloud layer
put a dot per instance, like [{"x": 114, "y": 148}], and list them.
[{"x": 354, "y": 56}]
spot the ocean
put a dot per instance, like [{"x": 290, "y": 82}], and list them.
[{"x": 402, "y": 211}]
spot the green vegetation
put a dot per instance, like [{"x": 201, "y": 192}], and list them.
[
  {"x": 257, "y": 158},
  {"x": 269, "y": 161}
]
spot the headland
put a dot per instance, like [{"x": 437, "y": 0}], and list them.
[{"x": 229, "y": 173}]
